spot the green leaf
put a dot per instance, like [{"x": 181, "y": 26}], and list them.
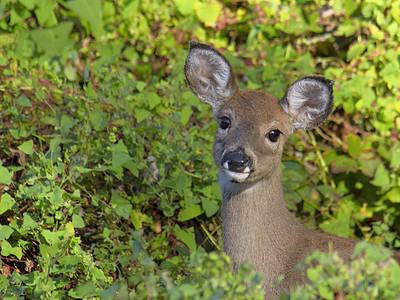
[
  {"x": 24, "y": 101},
  {"x": 91, "y": 11},
  {"x": 121, "y": 205},
  {"x": 83, "y": 290},
  {"x": 137, "y": 218},
  {"x": 68, "y": 263},
  {"x": 373, "y": 253},
  {"x": 70, "y": 72},
  {"x": 207, "y": 13},
  {"x": 99, "y": 119},
  {"x": 54, "y": 40},
  {"x": 132, "y": 166},
  {"x": 141, "y": 114},
  {"x": 6, "y": 40},
  {"x": 7, "y": 249},
  {"x": 5, "y": 175},
  {"x": 185, "y": 7},
  {"x": 295, "y": 27},
  {"x": 313, "y": 20},
  {"x": 51, "y": 250},
  {"x": 69, "y": 229},
  {"x": 120, "y": 155},
  {"x": 355, "y": 145},
  {"x": 185, "y": 114},
  {"x": 368, "y": 164},
  {"x": 7, "y": 203},
  {"x": 28, "y": 223},
  {"x": 29, "y": 4},
  {"x": 382, "y": 177},
  {"x": 5, "y": 232},
  {"x": 190, "y": 213},
  {"x": 27, "y": 147},
  {"x": 338, "y": 226},
  {"x": 130, "y": 9},
  {"x": 152, "y": 99},
  {"x": 350, "y": 7},
  {"x": 45, "y": 12},
  {"x": 187, "y": 236},
  {"x": 391, "y": 73},
  {"x": 53, "y": 238},
  {"x": 313, "y": 274},
  {"x": 326, "y": 291},
  {"x": 344, "y": 164},
  {"x": 77, "y": 221},
  {"x": 346, "y": 28},
  {"x": 66, "y": 124},
  {"x": 140, "y": 85},
  {"x": 367, "y": 96},
  {"x": 4, "y": 284},
  {"x": 137, "y": 248},
  {"x": 210, "y": 207},
  {"x": 355, "y": 51},
  {"x": 394, "y": 195},
  {"x": 395, "y": 160},
  {"x": 113, "y": 290},
  {"x": 179, "y": 183}
]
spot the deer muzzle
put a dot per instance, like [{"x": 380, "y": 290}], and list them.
[{"x": 237, "y": 165}]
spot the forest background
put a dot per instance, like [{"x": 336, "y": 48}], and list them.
[{"x": 107, "y": 181}]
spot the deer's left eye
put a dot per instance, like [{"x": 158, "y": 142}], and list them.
[
  {"x": 225, "y": 123},
  {"x": 273, "y": 135}
]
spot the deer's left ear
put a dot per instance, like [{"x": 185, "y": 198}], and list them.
[{"x": 309, "y": 101}]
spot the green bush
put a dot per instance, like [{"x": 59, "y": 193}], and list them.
[
  {"x": 371, "y": 274},
  {"x": 107, "y": 180}
]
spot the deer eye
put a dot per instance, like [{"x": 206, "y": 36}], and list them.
[
  {"x": 225, "y": 123},
  {"x": 273, "y": 135}
]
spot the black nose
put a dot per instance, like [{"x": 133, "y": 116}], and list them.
[{"x": 237, "y": 161}]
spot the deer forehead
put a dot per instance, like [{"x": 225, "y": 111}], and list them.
[{"x": 256, "y": 107}]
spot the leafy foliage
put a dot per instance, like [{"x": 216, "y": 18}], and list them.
[
  {"x": 107, "y": 181},
  {"x": 369, "y": 276}
]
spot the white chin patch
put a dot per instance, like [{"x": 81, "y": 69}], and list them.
[{"x": 236, "y": 176}]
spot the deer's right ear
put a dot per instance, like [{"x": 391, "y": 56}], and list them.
[{"x": 209, "y": 74}]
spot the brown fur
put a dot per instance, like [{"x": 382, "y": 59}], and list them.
[{"x": 257, "y": 225}]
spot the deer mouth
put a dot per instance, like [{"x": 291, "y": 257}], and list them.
[{"x": 236, "y": 176}]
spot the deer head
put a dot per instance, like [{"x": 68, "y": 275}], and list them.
[{"x": 253, "y": 125}]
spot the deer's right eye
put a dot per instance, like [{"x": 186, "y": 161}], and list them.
[{"x": 225, "y": 123}]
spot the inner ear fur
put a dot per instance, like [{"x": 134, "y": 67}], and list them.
[
  {"x": 309, "y": 101},
  {"x": 209, "y": 74}
]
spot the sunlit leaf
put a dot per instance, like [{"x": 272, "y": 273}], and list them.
[
  {"x": 53, "y": 40},
  {"x": 27, "y": 147},
  {"x": 355, "y": 51},
  {"x": 382, "y": 177},
  {"x": 186, "y": 236},
  {"x": 91, "y": 11},
  {"x": 77, "y": 221},
  {"x": 5, "y": 175},
  {"x": 190, "y": 212},
  {"x": 185, "y": 7},
  {"x": 7, "y": 202},
  {"x": 5, "y": 232},
  {"x": 82, "y": 290},
  {"x": 7, "y": 249},
  {"x": 207, "y": 13}
]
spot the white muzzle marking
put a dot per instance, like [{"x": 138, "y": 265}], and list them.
[{"x": 236, "y": 176}]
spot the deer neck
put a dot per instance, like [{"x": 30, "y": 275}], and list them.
[{"x": 257, "y": 226}]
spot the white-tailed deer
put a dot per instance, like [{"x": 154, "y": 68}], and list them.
[{"x": 253, "y": 127}]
